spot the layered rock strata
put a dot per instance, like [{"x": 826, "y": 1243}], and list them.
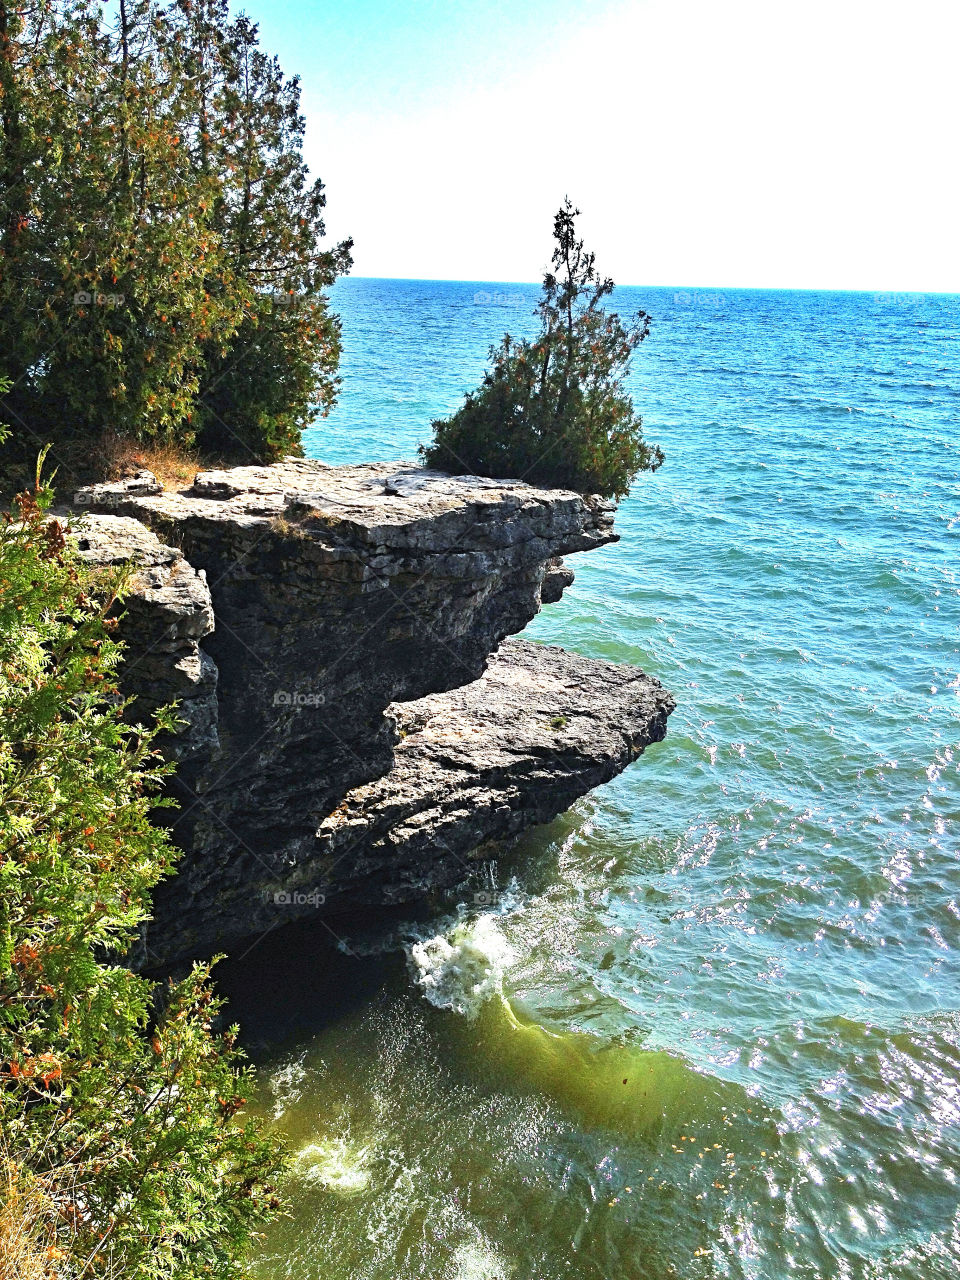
[{"x": 328, "y": 630}]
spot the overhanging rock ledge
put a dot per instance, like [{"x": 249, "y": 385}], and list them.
[{"x": 349, "y": 740}]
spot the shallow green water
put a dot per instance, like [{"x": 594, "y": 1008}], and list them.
[{"x": 707, "y": 1023}]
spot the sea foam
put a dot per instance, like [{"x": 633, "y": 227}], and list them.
[
  {"x": 337, "y": 1164},
  {"x": 464, "y": 967}
]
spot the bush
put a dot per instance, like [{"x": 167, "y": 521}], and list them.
[
  {"x": 122, "y": 1139},
  {"x": 554, "y": 411}
]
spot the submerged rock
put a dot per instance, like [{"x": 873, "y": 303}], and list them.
[{"x": 345, "y": 746}]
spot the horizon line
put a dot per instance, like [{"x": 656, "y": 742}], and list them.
[{"x": 730, "y": 288}]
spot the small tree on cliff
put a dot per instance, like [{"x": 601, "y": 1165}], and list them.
[{"x": 554, "y": 411}]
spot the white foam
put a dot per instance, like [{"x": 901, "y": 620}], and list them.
[
  {"x": 287, "y": 1084},
  {"x": 463, "y": 968},
  {"x": 479, "y": 1262},
  {"x": 336, "y": 1164}
]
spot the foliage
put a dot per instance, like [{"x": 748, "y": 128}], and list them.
[
  {"x": 153, "y": 200},
  {"x": 554, "y": 411},
  {"x": 118, "y": 1109},
  {"x": 278, "y": 371},
  {"x": 110, "y": 265}
]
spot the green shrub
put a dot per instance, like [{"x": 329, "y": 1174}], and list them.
[
  {"x": 121, "y": 1125},
  {"x": 554, "y": 411}
]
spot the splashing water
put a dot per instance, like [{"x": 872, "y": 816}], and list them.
[
  {"x": 336, "y": 1164},
  {"x": 463, "y": 969},
  {"x": 478, "y": 1262}
]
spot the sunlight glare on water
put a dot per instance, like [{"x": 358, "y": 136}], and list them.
[{"x": 712, "y": 1028}]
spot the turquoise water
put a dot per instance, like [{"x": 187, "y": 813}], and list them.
[{"x": 712, "y": 1025}]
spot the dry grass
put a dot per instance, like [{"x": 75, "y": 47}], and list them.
[
  {"x": 172, "y": 464},
  {"x": 110, "y": 457},
  {"x": 28, "y": 1249}
]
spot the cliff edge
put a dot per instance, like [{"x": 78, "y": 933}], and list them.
[{"x": 347, "y": 738}]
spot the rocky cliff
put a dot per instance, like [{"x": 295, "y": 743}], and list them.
[{"x": 347, "y": 738}]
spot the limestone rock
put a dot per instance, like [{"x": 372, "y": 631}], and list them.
[
  {"x": 168, "y": 612},
  {"x": 484, "y": 762},
  {"x": 346, "y": 599}
]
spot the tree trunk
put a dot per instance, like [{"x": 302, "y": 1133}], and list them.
[
  {"x": 124, "y": 104},
  {"x": 12, "y": 174}
]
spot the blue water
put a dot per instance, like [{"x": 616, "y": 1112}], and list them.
[{"x": 763, "y": 914}]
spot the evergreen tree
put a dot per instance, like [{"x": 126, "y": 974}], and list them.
[
  {"x": 113, "y": 276},
  {"x": 25, "y": 272},
  {"x": 160, "y": 268},
  {"x": 279, "y": 371},
  {"x": 124, "y": 1149},
  {"x": 554, "y": 411}
]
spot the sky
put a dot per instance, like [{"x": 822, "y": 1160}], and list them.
[{"x": 765, "y": 144}]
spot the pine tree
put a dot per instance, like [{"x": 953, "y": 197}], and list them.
[
  {"x": 160, "y": 265},
  {"x": 260, "y": 389},
  {"x": 25, "y": 278},
  {"x": 114, "y": 279},
  {"x": 554, "y": 411}
]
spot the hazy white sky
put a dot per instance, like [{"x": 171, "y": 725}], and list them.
[{"x": 742, "y": 143}]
